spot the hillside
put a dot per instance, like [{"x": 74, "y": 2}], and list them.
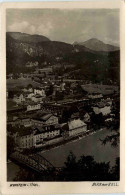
[
  {"x": 23, "y": 37},
  {"x": 93, "y": 65},
  {"x": 97, "y": 66}
]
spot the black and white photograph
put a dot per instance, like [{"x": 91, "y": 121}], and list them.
[{"x": 62, "y": 94}]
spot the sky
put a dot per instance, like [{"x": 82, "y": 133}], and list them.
[{"x": 66, "y": 25}]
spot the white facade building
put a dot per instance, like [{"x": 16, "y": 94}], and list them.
[
  {"x": 95, "y": 96},
  {"x": 40, "y": 92},
  {"x": 104, "y": 110},
  {"x": 76, "y": 127},
  {"x": 19, "y": 99},
  {"x": 31, "y": 107},
  {"x": 36, "y": 138}
]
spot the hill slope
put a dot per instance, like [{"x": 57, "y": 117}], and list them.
[
  {"x": 23, "y": 37},
  {"x": 93, "y": 65}
]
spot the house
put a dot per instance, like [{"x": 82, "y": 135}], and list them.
[
  {"x": 42, "y": 135},
  {"x": 30, "y": 95},
  {"x": 40, "y": 92},
  {"x": 10, "y": 76},
  {"x": 26, "y": 139},
  {"x": 31, "y": 64},
  {"x": 46, "y": 119},
  {"x": 26, "y": 122},
  {"x": 33, "y": 106},
  {"x": 76, "y": 127},
  {"x": 95, "y": 95},
  {"x": 28, "y": 89},
  {"x": 49, "y": 119},
  {"x": 75, "y": 115},
  {"x": 37, "y": 98},
  {"x": 18, "y": 98},
  {"x": 100, "y": 89},
  {"x": 105, "y": 109},
  {"x": 37, "y": 137}
]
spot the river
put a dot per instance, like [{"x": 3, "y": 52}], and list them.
[{"x": 89, "y": 145}]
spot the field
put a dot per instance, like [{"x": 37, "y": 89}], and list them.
[{"x": 21, "y": 82}]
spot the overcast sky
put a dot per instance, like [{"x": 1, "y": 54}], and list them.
[{"x": 66, "y": 25}]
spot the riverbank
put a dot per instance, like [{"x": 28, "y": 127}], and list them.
[
  {"x": 69, "y": 140},
  {"x": 89, "y": 146}
]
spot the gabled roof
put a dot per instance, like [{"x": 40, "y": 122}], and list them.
[
  {"x": 76, "y": 124},
  {"x": 38, "y": 130},
  {"x": 44, "y": 117}
]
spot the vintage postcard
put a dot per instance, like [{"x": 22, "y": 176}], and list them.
[{"x": 62, "y": 108}]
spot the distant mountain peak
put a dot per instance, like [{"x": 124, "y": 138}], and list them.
[{"x": 97, "y": 45}]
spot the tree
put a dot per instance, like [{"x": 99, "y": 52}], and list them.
[
  {"x": 116, "y": 170},
  {"x": 59, "y": 95},
  {"x": 50, "y": 90},
  {"x": 69, "y": 171},
  {"x": 87, "y": 169},
  {"x": 29, "y": 86},
  {"x": 65, "y": 115},
  {"x": 115, "y": 125},
  {"x": 84, "y": 169}
]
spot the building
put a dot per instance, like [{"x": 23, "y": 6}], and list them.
[
  {"x": 95, "y": 95},
  {"x": 76, "y": 127},
  {"x": 100, "y": 89},
  {"x": 26, "y": 122},
  {"x": 28, "y": 89},
  {"x": 18, "y": 98},
  {"x": 33, "y": 106},
  {"x": 42, "y": 136},
  {"x": 31, "y": 64},
  {"x": 29, "y": 95},
  {"x": 37, "y": 98},
  {"x": 45, "y": 119},
  {"x": 26, "y": 140},
  {"x": 40, "y": 92},
  {"x": 104, "y": 109},
  {"x": 37, "y": 137}
]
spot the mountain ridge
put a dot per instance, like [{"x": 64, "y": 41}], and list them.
[
  {"x": 96, "y": 65},
  {"x": 24, "y": 37},
  {"x": 97, "y": 45}
]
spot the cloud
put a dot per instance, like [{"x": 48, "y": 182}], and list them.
[
  {"x": 22, "y": 26},
  {"x": 44, "y": 29},
  {"x": 25, "y": 27},
  {"x": 66, "y": 25}
]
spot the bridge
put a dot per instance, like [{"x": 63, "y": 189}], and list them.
[{"x": 33, "y": 161}]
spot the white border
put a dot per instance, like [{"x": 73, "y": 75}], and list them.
[{"x": 59, "y": 187}]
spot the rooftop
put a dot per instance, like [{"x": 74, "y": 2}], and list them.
[
  {"x": 103, "y": 89},
  {"x": 75, "y": 124}
]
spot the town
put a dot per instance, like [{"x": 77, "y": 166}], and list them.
[
  {"x": 44, "y": 113},
  {"x": 62, "y": 94}
]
